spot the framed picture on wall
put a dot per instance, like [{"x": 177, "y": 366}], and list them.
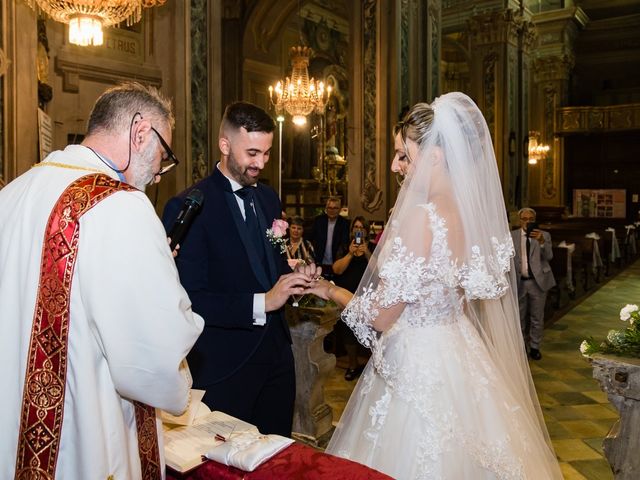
[{"x": 599, "y": 203}]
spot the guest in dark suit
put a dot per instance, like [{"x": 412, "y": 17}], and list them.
[
  {"x": 330, "y": 233},
  {"x": 235, "y": 279},
  {"x": 534, "y": 276}
]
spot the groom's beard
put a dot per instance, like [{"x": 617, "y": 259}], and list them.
[{"x": 238, "y": 173}]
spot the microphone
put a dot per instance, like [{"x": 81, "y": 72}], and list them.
[{"x": 192, "y": 204}]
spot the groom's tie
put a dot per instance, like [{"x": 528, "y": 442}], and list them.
[{"x": 247, "y": 194}]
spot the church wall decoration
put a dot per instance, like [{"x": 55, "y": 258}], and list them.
[{"x": 371, "y": 196}]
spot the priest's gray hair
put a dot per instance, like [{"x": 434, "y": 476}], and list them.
[{"x": 114, "y": 110}]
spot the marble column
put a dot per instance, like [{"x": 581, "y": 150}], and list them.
[
  {"x": 500, "y": 42},
  {"x": 557, "y": 32},
  {"x": 420, "y": 51},
  {"x": 395, "y": 50},
  {"x": 19, "y": 85},
  {"x": 200, "y": 24},
  {"x": 312, "y": 417}
]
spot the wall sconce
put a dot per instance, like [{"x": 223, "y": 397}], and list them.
[{"x": 536, "y": 150}]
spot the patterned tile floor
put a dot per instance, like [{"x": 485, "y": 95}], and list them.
[{"x": 576, "y": 411}]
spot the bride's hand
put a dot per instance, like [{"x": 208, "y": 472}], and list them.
[
  {"x": 312, "y": 270},
  {"x": 320, "y": 288}
]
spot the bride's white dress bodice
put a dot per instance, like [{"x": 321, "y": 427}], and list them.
[{"x": 434, "y": 289}]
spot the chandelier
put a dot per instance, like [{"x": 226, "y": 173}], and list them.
[
  {"x": 86, "y": 18},
  {"x": 298, "y": 95},
  {"x": 537, "y": 150}
]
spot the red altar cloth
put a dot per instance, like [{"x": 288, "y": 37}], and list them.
[{"x": 295, "y": 462}]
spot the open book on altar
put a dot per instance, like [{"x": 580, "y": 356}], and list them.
[{"x": 219, "y": 437}]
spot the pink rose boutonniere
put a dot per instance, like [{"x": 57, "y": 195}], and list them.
[{"x": 276, "y": 234}]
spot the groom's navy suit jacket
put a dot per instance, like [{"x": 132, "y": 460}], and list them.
[{"x": 220, "y": 270}]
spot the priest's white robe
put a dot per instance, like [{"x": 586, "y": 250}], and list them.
[{"x": 131, "y": 321}]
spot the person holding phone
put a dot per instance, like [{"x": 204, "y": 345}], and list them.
[
  {"x": 348, "y": 269},
  {"x": 533, "y": 252}
]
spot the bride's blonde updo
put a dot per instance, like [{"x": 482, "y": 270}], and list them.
[{"x": 416, "y": 124}]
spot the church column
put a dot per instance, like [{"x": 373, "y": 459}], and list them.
[
  {"x": 419, "y": 51},
  {"x": 373, "y": 91},
  {"x": 527, "y": 38},
  {"x": 432, "y": 55},
  {"x": 497, "y": 85},
  {"x": 554, "y": 61},
  {"x": 395, "y": 52},
  {"x": 19, "y": 85}
]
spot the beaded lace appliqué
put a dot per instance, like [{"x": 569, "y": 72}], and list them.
[{"x": 431, "y": 287}]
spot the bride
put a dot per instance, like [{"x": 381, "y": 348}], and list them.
[{"x": 447, "y": 393}]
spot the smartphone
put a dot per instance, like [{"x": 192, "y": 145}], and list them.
[
  {"x": 358, "y": 238},
  {"x": 531, "y": 227}
]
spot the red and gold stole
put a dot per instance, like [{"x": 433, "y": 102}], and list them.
[{"x": 45, "y": 378}]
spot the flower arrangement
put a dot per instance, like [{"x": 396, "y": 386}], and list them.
[
  {"x": 624, "y": 342},
  {"x": 276, "y": 234}
]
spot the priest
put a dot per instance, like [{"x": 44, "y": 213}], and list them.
[{"x": 94, "y": 324}]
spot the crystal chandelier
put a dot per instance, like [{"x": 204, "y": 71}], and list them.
[
  {"x": 86, "y": 18},
  {"x": 298, "y": 95},
  {"x": 537, "y": 150}
]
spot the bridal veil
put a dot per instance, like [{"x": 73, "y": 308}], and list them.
[{"x": 456, "y": 155}]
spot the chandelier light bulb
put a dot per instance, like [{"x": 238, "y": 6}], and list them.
[
  {"x": 85, "y": 30},
  {"x": 299, "y": 120}
]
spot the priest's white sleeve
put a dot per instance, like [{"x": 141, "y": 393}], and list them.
[{"x": 139, "y": 313}]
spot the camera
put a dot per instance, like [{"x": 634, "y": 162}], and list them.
[
  {"x": 531, "y": 227},
  {"x": 358, "y": 238}
]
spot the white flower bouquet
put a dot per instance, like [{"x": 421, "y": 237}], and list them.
[{"x": 624, "y": 342}]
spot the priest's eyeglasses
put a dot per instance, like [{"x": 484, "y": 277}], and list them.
[{"x": 168, "y": 162}]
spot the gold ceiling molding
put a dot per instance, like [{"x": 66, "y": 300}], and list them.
[{"x": 597, "y": 119}]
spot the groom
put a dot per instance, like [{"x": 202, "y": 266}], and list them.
[{"x": 233, "y": 276}]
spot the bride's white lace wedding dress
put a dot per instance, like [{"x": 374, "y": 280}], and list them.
[{"x": 431, "y": 403}]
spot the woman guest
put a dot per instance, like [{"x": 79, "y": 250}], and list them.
[
  {"x": 297, "y": 247},
  {"x": 349, "y": 268}
]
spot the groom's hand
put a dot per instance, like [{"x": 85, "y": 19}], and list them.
[{"x": 289, "y": 284}]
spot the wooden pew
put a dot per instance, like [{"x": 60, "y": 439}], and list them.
[{"x": 560, "y": 269}]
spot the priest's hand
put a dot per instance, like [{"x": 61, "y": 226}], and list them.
[{"x": 175, "y": 250}]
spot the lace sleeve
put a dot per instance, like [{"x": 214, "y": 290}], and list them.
[
  {"x": 402, "y": 277},
  {"x": 484, "y": 277}
]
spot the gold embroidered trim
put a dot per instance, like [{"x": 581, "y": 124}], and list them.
[
  {"x": 45, "y": 376},
  {"x": 65, "y": 165}
]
